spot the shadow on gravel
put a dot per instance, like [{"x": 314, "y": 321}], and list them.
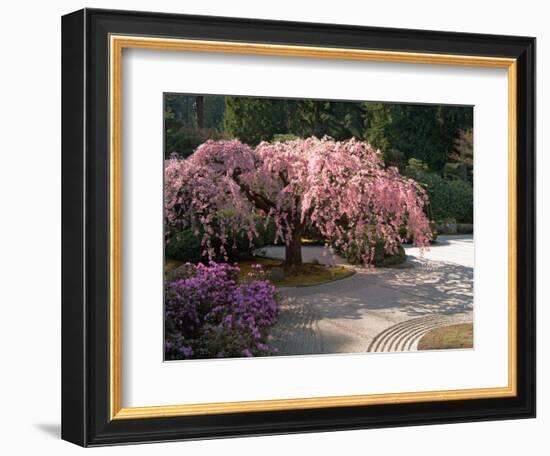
[
  {"x": 429, "y": 288},
  {"x": 434, "y": 288}
]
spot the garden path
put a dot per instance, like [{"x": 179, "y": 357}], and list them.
[{"x": 385, "y": 309}]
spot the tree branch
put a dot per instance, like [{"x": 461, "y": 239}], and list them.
[
  {"x": 283, "y": 178},
  {"x": 260, "y": 201}
]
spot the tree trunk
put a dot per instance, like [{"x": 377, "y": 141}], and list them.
[{"x": 293, "y": 251}]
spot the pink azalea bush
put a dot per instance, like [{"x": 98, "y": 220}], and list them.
[
  {"x": 209, "y": 313},
  {"x": 342, "y": 188}
]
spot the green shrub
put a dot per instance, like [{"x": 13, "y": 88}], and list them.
[
  {"x": 313, "y": 235},
  {"x": 381, "y": 257},
  {"x": 266, "y": 232},
  {"x": 282, "y": 137},
  {"x": 184, "y": 246},
  {"x": 408, "y": 240},
  {"x": 448, "y": 226},
  {"x": 394, "y": 157},
  {"x": 240, "y": 248},
  {"x": 184, "y": 140},
  {"x": 464, "y": 228},
  {"x": 456, "y": 171},
  {"x": 415, "y": 166},
  {"x": 439, "y": 195},
  {"x": 462, "y": 201},
  {"x": 447, "y": 198},
  {"x": 433, "y": 228}
]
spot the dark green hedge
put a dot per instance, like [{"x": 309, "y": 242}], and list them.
[
  {"x": 462, "y": 201},
  {"x": 448, "y": 198},
  {"x": 186, "y": 245}
]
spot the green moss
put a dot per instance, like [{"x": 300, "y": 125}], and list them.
[
  {"x": 304, "y": 275},
  {"x": 448, "y": 337},
  {"x": 170, "y": 264}
]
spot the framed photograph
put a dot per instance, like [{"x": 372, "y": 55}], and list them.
[{"x": 279, "y": 227}]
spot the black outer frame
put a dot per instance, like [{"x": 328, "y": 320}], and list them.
[{"x": 85, "y": 227}]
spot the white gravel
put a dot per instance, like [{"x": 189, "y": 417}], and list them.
[{"x": 345, "y": 316}]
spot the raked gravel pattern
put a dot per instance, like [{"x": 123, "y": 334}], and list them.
[
  {"x": 380, "y": 310},
  {"x": 405, "y": 336}
]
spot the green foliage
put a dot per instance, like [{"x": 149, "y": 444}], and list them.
[
  {"x": 282, "y": 137},
  {"x": 462, "y": 201},
  {"x": 378, "y": 117},
  {"x": 420, "y": 131},
  {"x": 184, "y": 246},
  {"x": 464, "y": 228},
  {"x": 312, "y": 117},
  {"x": 266, "y": 232},
  {"x": 439, "y": 195},
  {"x": 416, "y": 166},
  {"x": 337, "y": 119},
  {"x": 185, "y": 140},
  {"x": 457, "y": 171},
  {"x": 381, "y": 257},
  {"x": 408, "y": 240},
  {"x": 462, "y": 156},
  {"x": 435, "y": 233},
  {"x": 253, "y": 120},
  {"x": 313, "y": 235},
  {"x": 437, "y": 135},
  {"x": 346, "y": 120},
  {"x": 182, "y": 129},
  {"x": 448, "y": 199}
]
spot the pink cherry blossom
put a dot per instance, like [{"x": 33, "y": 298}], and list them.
[{"x": 342, "y": 188}]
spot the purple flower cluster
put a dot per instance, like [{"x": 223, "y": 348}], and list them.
[{"x": 209, "y": 313}]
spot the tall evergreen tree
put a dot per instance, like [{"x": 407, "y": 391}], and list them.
[
  {"x": 253, "y": 120},
  {"x": 424, "y": 132},
  {"x": 401, "y": 131},
  {"x": 189, "y": 120},
  {"x": 337, "y": 119}
]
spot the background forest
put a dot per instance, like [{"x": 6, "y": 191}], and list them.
[{"x": 431, "y": 143}]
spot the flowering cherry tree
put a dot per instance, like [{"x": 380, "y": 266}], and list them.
[{"x": 340, "y": 187}]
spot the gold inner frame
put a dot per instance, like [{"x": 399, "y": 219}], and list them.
[{"x": 117, "y": 44}]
